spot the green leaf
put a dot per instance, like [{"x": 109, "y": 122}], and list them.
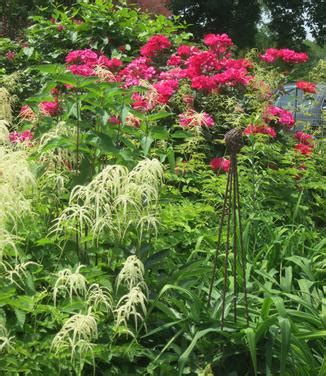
[
  {"x": 285, "y": 327},
  {"x": 185, "y": 356},
  {"x": 50, "y": 68},
  {"x": 146, "y": 143},
  {"x": 21, "y": 317},
  {"x": 251, "y": 339}
]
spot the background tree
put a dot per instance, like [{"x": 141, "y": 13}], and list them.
[
  {"x": 237, "y": 18},
  {"x": 291, "y": 20}
]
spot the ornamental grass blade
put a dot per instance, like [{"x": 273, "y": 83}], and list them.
[
  {"x": 285, "y": 327},
  {"x": 185, "y": 355},
  {"x": 251, "y": 339}
]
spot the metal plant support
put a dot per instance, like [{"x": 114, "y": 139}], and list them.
[{"x": 231, "y": 214}]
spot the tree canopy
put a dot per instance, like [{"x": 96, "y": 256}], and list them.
[{"x": 288, "y": 22}]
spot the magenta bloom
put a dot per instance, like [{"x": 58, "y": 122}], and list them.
[
  {"x": 114, "y": 120},
  {"x": 86, "y": 56},
  {"x": 82, "y": 70},
  {"x": 155, "y": 44},
  {"x": 50, "y": 108},
  {"x": 280, "y": 115},
  {"x": 219, "y": 43},
  {"x": 10, "y": 55},
  {"x": 166, "y": 88},
  {"x": 174, "y": 61},
  {"x": 285, "y": 54},
  {"x": 304, "y": 138},
  {"x": 260, "y": 129},
  {"x": 19, "y": 137},
  {"x": 139, "y": 69},
  {"x": 303, "y": 149},
  {"x": 306, "y": 87},
  {"x": 220, "y": 164}
]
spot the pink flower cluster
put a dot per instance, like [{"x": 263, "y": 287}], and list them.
[
  {"x": 271, "y": 55},
  {"x": 219, "y": 43},
  {"x": 50, "y": 108},
  {"x": 305, "y": 145},
  {"x": 83, "y": 62},
  {"x": 139, "y": 69},
  {"x": 306, "y": 87},
  {"x": 155, "y": 44},
  {"x": 220, "y": 164},
  {"x": 260, "y": 129},
  {"x": 19, "y": 137},
  {"x": 280, "y": 115}
]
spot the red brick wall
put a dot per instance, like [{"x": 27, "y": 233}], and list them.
[{"x": 153, "y": 6}]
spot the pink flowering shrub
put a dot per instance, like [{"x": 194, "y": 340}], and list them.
[
  {"x": 194, "y": 82},
  {"x": 286, "y": 55}
]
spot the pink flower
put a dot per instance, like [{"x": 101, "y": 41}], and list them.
[
  {"x": 207, "y": 83},
  {"x": 304, "y": 138},
  {"x": 114, "y": 120},
  {"x": 184, "y": 50},
  {"x": 139, "y": 69},
  {"x": 86, "y": 56},
  {"x": 191, "y": 118},
  {"x": 155, "y": 44},
  {"x": 293, "y": 57},
  {"x": 16, "y": 137},
  {"x": 55, "y": 91},
  {"x": 174, "y": 60},
  {"x": 220, "y": 163},
  {"x": 166, "y": 88},
  {"x": 303, "y": 149},
  {"x": 50, "y": 108},
  {"x": 26, "y": 113},
  {"x": 270, "y": 55},
  {"x": 60, "y": 27},
  {"x": 141, "y": 103},
  {"x": 306, "y": 87},
  {"x": 112, "y": 64},
  {"x": 53, "y": 20},
  {"x": 10, "y": 55},
  {"x": 174, "y": 73},
  {"x": 82, "y": 70},
  {"x": 285, "y": 54},
  {"x": 261, "y": 129},
  {"x": 219, "y": 43},
  {"x": 279, "y": 115}
]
